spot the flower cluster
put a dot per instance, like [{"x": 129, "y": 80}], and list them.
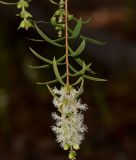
[
  {"x": 25, "y": 15},
  {"x": 69, "y": 127}
]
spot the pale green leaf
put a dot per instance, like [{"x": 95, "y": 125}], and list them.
[
  {"x": 53, "y": 2},
  {"x": 80, "y": 62},
  {"x": 82, "y": 71},
  {"x": 93, "y": 78},
  {"x": 51, "y": 82},
  {"x": 61, "y": 59},
  {"x": 93, "y": 41},
  {"x": 46, "y": 38},
  {"x": 39, "y": 67},
  {"x": 72, "y": 68},
  {"x": 47, "y": 60},
  {"x": 7, "y": 3},
  {"x": 55, "y": 68},
  {"x": 40, "y": 57},
  {"x": 87, "y": 21},
  {"x": 78, "y": 81},
  {"x": 78, "y": 51},
  {"x": 77, "y": 28},
  {"x": 81, "y": 88},
  {"x": 51, "y": 91},
  {"x": 35, "y": 40}
]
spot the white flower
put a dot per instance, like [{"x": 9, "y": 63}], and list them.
[{"x": 69, "y": 127}]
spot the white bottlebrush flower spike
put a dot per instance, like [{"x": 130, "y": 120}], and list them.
[{"x": 69, "y": 127}]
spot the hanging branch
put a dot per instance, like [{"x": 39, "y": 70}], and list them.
[{"x": 69, "y": 124}]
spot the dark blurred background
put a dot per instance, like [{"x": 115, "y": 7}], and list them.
[{"x": 25, "y": 108}]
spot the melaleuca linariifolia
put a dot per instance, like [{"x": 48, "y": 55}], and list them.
[{"x": 69, "y": 127}]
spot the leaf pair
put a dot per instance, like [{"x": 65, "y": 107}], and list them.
[
  {"x": 46, "y": 60},
  {"x": 82, "y": 72},
  {"x": 57, "y": 74}
]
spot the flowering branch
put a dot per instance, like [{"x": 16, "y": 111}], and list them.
[{"x": 69, "y": 127}]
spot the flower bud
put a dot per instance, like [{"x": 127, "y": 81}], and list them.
[
  {"x": 76, "y": 146},
  {"x": 57, "y": 13},
  {"x": 57, "y": 28},
  {"x": 25, "y": 24},
  {"x": 22, "y": 4},
  {"x": 66, "y": 147},
  {"x": 70, "y": 17},
  {"x": 53, "y": 21},
  {"x": 71, "y": 156},
  {"x": 60, "y": 34}
]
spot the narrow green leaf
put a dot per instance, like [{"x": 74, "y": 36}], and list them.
[
  {"x": 39, "y": 67},
  {"x": 40, "y": 57},
  {"x": 41, "y": 40},
  {"x": 78, "y": 51},
  {"x": 46, "y": 38},
  {"x": 61, "y": 58},
  {"x": 80, "y": 62},
  {"x": 82, "y": 71},
  {"x": 55, "y": 68},
  {"x": 93, "y": 41},
  {"x": 78, "y": 81},
  {"x": 72, "y": 68},
  {"x": 59, "y": 39},
  {"x": 39, "y": 21},
  {"x": 93, "y": 78},
  {"x": 46, "y": 60},
  {"x": 51, "y": 82},
  {"x": 35, "y": 40},
  {"x": 51, "y": 91},
  {"x": 87, "y": 21},
  {"x": 54, "y": 2},
  {"x": 6, "y": 3},
  {"x": 77, "y": 29},
  {"x": 81, "y": 88}
]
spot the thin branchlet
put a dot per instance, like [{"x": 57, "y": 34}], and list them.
[{"x": 66, "y": 40}]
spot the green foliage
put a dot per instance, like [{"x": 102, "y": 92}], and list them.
[
  {"x": 58, "y": 21},
  {"x": 74, "y": 34}
]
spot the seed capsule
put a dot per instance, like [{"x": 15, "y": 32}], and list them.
[{"x": 57, "y": 13}]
